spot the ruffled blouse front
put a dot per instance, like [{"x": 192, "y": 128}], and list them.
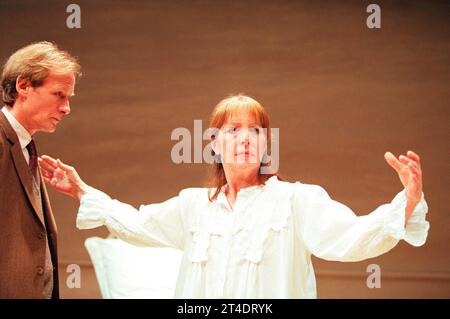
[{"x": 262, "y": 247}]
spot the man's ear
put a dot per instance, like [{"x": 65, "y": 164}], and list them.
[{"x": 22, "y": 86}]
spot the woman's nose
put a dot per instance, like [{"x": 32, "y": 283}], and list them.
[{"x": 244, "y": 137}]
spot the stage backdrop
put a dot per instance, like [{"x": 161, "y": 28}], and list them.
[{"x": 341, "y": 94}]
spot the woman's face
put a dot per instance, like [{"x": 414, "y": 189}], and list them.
[{"x": 241, "y": 141}]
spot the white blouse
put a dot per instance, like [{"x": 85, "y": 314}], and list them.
[{"x": 262, "y": 247}]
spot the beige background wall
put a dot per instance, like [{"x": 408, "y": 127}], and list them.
[{"x": 340, "y": 93}]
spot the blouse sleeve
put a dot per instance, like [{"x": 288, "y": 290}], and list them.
[
  {"x": 332, "y": 231},
  {"x": 162, "y": 224}
]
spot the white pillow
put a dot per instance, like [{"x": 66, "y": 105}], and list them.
[{"x": 127, "y": 271}]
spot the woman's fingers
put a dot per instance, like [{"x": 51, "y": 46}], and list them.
[
  {"x": 49, "y": 160},
  {"x": 413, "y": 156},
  {"x": 410, "y": 172},
  {"x": 54, "y": 166},
  {"x": 63, "y": 166},
  {"x": 409, "y": 160},
  {"x": 411, "y": 163},
  {"x": 393, "y": 161},
  {"x": 45, "y": 165},
  {"x": 404, "y": 160}
]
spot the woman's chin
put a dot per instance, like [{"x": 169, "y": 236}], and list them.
[{"x": 246, "y": 165}]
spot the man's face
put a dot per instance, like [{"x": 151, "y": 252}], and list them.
[{"x": 46, "y": 105}]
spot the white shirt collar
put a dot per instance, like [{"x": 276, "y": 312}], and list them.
[
  {"x": 251, "y": 188},
  {"x": 22, "y": 133},
  {"x": 222, "y": 199}
]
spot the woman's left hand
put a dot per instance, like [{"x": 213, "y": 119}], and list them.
[{"x": 410, "y": 174}]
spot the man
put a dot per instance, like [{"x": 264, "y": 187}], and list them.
[{"x": 36, "y": 84}]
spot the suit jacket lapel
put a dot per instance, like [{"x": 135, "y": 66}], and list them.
[
  {"x": 51, "y": 224},
  {"x": 22, "y": 168}
]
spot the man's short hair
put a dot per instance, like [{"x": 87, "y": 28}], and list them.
[{"x": 34, "y": 62}]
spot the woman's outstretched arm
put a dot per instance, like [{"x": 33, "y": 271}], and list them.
[
  {"x": 332, "y": 231},
  {"x": 160, "y": 224}
]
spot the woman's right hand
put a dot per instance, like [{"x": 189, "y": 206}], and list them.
[{"x": 62, "y": 177}]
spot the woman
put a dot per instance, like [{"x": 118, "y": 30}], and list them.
[{"x": 251, "y": 235}]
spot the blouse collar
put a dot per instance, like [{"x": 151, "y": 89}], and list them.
[{"x": 221, "y": 198}]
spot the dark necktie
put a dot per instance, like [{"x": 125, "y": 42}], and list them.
[
  {"x": 33, "y": 164},
  {"x": 48, "y": 270}
]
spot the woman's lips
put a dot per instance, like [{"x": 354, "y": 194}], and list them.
[{"x": 243, "y": 153}]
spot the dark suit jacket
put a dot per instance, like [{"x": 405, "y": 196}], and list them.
[{"x": 24, "y": 227}]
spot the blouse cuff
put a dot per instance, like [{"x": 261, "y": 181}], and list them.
[
  {"x": 416, "y": 230},
  {"x": 94, "y": 206}
]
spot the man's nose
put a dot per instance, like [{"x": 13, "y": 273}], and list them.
[{"x": 65, "y": 108}]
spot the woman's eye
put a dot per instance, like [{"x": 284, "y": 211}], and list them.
[
  {"x": 232, "y": 130},
  {"x": 254, "y": 130}
]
